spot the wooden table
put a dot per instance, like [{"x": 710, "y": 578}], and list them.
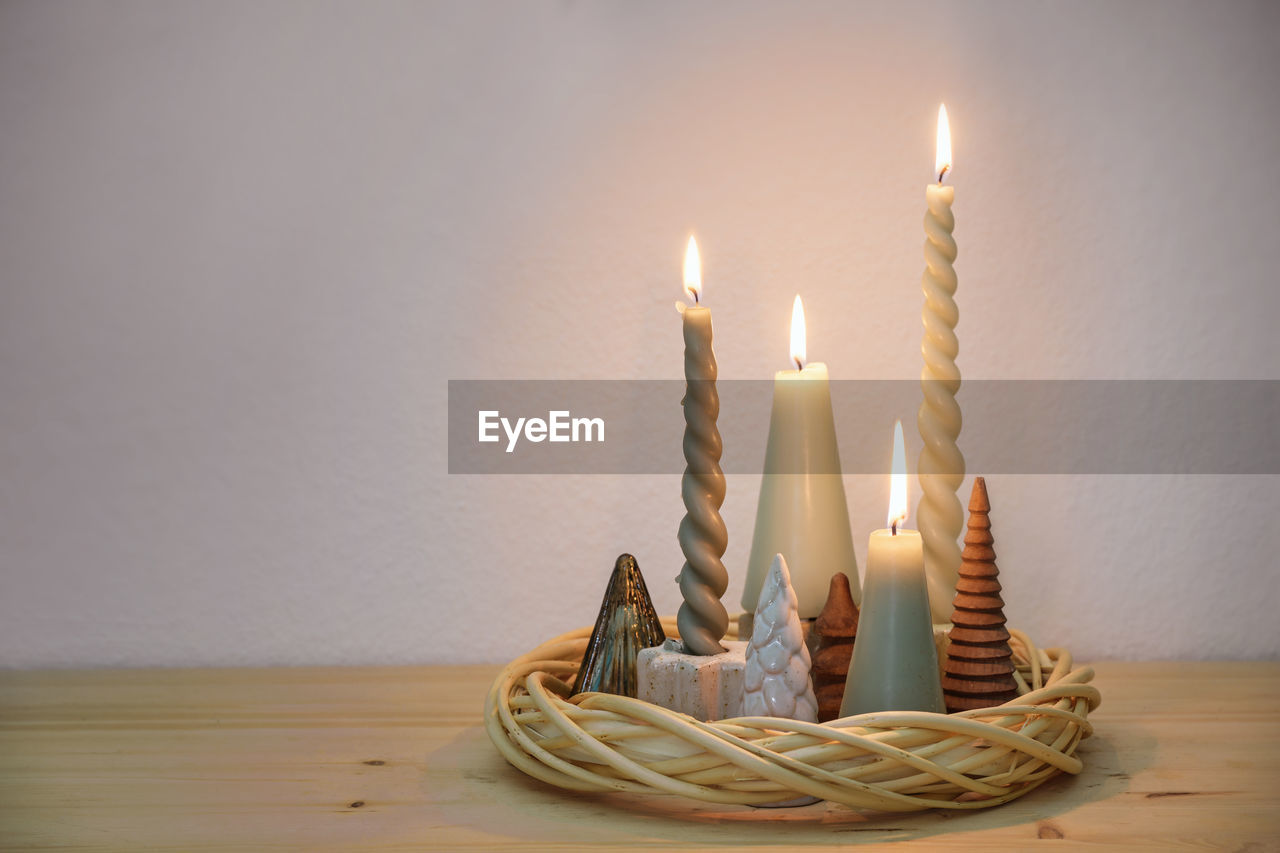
[{"x": 396, "y": 759}]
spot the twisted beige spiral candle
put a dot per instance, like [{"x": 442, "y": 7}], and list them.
[
  {"x": 940, "y": 516},
  {"x": 702, "y": 619}
]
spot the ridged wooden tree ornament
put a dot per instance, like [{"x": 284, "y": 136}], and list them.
[
  {"x": 830, "y": 643},
  {"x": 979, "y": 668}
]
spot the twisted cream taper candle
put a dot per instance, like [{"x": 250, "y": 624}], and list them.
[
  {"x": 940, "y": 516},
  {"x": 702, "y": 619}
]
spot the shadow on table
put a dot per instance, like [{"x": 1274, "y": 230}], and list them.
[{"x": 486, "y": 793}]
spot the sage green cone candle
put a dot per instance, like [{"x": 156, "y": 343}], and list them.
[
  {"x": 802, "y": 513},
  {"x": 895, "y": 662}
]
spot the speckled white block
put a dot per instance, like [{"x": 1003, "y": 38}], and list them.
[{"x": 705, "y": 688}]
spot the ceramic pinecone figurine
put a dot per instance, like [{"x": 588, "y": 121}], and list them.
[{"x": 777, "y": 682}]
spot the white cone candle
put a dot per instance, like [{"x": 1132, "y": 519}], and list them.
[
  {"x": 895, "y": 663},
  {"x": 802, "y": 513}
]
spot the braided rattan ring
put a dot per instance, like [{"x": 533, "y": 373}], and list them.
[{"x": 897, "y": 761}]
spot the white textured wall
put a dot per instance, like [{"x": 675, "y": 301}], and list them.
[{"x": 243, "y": 245}]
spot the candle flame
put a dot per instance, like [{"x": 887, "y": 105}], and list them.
[
  {"x": 898, "y": 480},
  {"x": 797, "y": 333},
  {"x": 693, "y": 270},
  {"x": 942, "y": 161}
]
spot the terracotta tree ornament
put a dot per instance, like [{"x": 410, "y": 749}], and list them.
[
  {"x": 830, "y": 643},
  {"x": 979, "y": 668}
]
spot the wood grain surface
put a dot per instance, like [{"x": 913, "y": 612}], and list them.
[{"x": 1186, "y": 756}]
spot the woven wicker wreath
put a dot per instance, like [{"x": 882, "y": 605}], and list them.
[{"x": 897, "y": 761}]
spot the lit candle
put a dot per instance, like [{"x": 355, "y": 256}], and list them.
[
  {"x": 802, "y": 513},
  {"x": 702, "y": 619},
  {"x": 895, "y": 664},
  {"x": 941, "y": 468}
]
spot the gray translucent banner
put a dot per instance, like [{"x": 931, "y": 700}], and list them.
[{"x": 1010, "y": 426}]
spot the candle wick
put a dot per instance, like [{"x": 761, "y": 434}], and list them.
[
  {"x": 943, "y": 173},
  {"x": 696, "y": 300},
  {"x": 893, "y": 527},
  {"x": 799, "y": 366}
]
